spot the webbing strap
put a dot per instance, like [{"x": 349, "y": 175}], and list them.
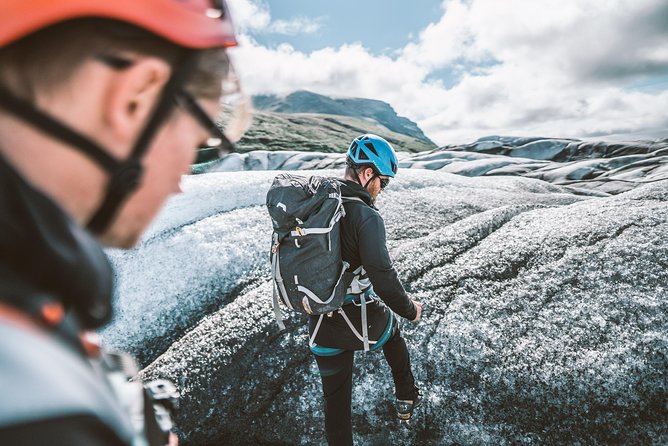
[
  {"x": 354, "y": 298},
  {"x": 365, "y": 328},
  {"x": 277, "y": 309},
  {"x": 357, "y": 334},
  {"x": 28, "y": 113},
  {"x": 340, "y": 212},
  {"x": 277, "y": 281},
  {"x": 386, "y": 335},
  {"x": 353, "y": 199},
  {"x": 309, "y": 231},
  {"x": 357, "y": 285},
  {"x": 311, "y": 341},
  {"x": 314, "y": 297},
  {"x": 342, "y": 312}
]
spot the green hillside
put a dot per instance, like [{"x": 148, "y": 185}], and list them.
[{"x": 318, "y": 132}]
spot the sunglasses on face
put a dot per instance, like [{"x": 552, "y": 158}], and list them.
[
  {"x": 384, "y": 182},
  {"x": 217, "y": 141}
]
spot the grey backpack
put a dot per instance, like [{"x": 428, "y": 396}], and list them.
[{"x": 308, "y": 273}]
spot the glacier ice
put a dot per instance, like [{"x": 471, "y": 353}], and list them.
[{"x": 545, "y": 315}]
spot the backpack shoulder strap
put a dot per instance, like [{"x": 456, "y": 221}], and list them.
[{"x": 353, "y": 199}]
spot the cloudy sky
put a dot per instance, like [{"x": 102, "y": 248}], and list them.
[{"x": 463, "y": 69}]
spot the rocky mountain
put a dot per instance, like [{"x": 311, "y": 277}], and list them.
[
  {"x": 545, "y": 316},
  {"x": 367, "y": 109},
  {"x": 312, "y": 132}
]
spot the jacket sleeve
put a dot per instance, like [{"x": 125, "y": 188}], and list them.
[{"x": 378, "y": 266}]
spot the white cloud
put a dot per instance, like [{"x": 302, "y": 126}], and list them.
[
  {"x": 249, "y": 15},
  {"x": 255, "y": 16},
  {"x": 526, "y": 67},
  {"x": 299, "y": 25}
]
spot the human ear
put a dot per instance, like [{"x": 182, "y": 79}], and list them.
[{"x": 132, "y": 94}]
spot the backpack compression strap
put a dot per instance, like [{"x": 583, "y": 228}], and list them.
[{"x": 277, "y": 281}]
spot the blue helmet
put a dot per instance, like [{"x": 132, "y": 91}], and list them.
[{"x": 374, "y": 151}]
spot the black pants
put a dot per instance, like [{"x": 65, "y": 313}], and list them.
[{"x": 336, "y": 373}]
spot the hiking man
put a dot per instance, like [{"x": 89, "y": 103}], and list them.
[
  {"x": 102, "y": 105},
  {"x": 371, "y": 163}
]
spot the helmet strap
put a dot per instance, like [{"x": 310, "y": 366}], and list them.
[
  {"x": 27, "y": 112},
  {"x": 356, "y": 168},
  {"x": 370, "y": 180},
  {"x": 127, "y": 177},
  {"x": 357, "y": 175}
]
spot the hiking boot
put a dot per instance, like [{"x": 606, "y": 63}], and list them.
[{"x": 405, "y": 407}]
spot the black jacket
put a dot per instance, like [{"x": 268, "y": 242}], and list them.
[
  {"x": 49, "y": 392},
  {"x": 363, "y": 243}
]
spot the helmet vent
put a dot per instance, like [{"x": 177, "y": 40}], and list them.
[
  {"x": 214, "y": 13},
  {"x": 393, "y": 166},
  {"x": 353, "y": 149},
  {"x": 370, "y": 147},
  {"x": 363, "y": 155}
]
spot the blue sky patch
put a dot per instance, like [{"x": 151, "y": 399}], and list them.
[{"x": 379, "y": 27}]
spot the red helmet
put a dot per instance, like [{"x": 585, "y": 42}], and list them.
[{"x": 189, "y": 23}]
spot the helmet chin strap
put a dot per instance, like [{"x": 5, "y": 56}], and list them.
[
  {"x": 365, "y": 185},
  {"x": 370, "y": 180},
  {"x": 357, "y": 174},
  {"x": 125, "y": 176},
  {"x": 41, "y": 121}
]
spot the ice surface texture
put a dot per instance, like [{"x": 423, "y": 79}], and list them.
[
  {"x": 545, "y": 318},
  {"x": 607, "y": 168}
]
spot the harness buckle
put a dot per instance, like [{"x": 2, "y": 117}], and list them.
[{"x": 368, "y": 297}]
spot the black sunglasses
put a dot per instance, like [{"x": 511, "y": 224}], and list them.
[
  {"x": 384, "y": 182},
  {"x": 218, "y": 140},
  {"x": 217, "y": 145}
]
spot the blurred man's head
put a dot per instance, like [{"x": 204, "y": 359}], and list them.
[{"x": 132, "y": 86}]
